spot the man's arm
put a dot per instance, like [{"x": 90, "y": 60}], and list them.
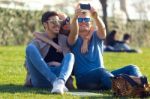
[
  {"x": 101, "y": 30},
  {"x": 74, "y": 32}
]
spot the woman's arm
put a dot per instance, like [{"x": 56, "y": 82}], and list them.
[
  {"x": 43, "y": 38},
  {"x": 84, "y": 47}
]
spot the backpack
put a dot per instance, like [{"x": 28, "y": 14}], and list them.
[{"x": 130, "y": 86}]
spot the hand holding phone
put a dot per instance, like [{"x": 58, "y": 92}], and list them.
[{"x": 85, "y": 6}]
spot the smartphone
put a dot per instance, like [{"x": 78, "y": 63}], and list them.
[{"x": 85, "y": 6}]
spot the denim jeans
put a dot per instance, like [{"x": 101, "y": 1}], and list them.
[
  {"x": 101, "y": 79},
  {"x": 129, "y": 70},
  {"x": 95, "y": 79},
  {"x": 43, "y": 75}
]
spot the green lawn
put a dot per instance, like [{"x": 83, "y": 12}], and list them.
[{"x": 12, "y": 73}]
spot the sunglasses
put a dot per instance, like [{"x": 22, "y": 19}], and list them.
[
  {"x": 83, "y": 19},
  {"x": 55, "y": 21},
  {"x": 66, "y": 21}
]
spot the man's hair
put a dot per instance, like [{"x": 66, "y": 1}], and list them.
[{"x": 48, "y": 14}]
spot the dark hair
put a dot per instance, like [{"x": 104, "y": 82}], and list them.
[
  {"x": 111, "y": 37},
  {"x": 48, "y": 14},
  {"x": 126, "y": 36},
  {"x": 112, "y": 33}
]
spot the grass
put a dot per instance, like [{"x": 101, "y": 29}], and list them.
[{"x": 12, "y": 73}]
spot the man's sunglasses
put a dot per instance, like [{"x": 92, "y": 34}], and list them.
[
  {"x": 55, "y": 21},
  {"x": 83, "y": 19}
]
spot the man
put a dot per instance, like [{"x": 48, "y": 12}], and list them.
[
  {"x": 89, "y": 68},
  {"x": 64, "y": 31},
  {"x": 48, "y": 66}
]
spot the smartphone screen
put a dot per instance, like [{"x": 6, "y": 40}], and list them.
[{"x": 85, "y": 6}]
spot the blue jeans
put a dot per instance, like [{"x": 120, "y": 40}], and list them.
[
  {"x": 43, "y": 75},
  {"x": 129, "y": 70},
  {"x": 98, "y": 79}
]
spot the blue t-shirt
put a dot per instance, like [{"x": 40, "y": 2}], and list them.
[{"x": 91, "y": 60}]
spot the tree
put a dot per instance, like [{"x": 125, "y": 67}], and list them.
[
  {"x": 123, "y": 7},
  {"x": 104, "y": 8}
]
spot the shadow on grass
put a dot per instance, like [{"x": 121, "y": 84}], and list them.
[
  {"x": 11, "y": 88},
  {"x": 90, "y": 94}
]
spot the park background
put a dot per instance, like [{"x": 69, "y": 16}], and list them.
[{"x": 19, "y": 18}]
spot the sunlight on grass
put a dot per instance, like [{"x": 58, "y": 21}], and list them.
[{"x": 12, "y": 73}]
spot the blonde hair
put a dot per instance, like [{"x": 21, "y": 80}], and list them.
[{"x": 62, "y": 15}]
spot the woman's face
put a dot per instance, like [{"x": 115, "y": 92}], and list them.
[{"x": 65, "y": 25}]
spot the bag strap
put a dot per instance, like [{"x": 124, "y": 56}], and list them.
[
  {"x": 130, "y": 80},
  {"x": 144, "y": 80}
]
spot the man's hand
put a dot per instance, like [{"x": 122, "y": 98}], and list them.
[
  {"x": 101, "y": 31},
  {"x": 78, "y": 11},
  {"x": 74, "y": 28},
  {"x": 93, "y": 12}
]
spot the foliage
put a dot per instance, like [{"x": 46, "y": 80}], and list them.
[
  {"x": 17, "y": 25},
  {"x": 13, "y": 73}
]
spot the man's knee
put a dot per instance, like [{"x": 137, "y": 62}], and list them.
[
  {"x": 70, "y": 56},
  {"x": 29, "y": 49},
  {"x": 133, "y": 67}
]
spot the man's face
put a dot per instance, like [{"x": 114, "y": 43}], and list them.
[
  {"x": 53, "y": 24},
  {"x": 84, "y": 22}
]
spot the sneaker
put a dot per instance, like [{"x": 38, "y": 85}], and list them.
[
  {"x": 65, "y": 89},
  {"x": 59, "y": 87}
]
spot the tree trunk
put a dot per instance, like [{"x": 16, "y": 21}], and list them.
[
  {"x": 104, "y": 7},
  {"x": 123, "y": 7}
]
